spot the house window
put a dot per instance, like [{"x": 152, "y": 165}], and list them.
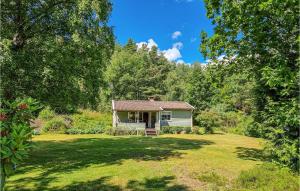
[
  {"x": 166, "y": 115},
  {"x": 131, "y": 116},
  {"x": 141, "y": 116},
  {"x": 134, "y": 116}
]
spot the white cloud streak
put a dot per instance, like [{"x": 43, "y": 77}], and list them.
[
  {"x": 148, "y": 44},
  {"x": 176, "y": 34},
  {"x": 171, "y": 54}
]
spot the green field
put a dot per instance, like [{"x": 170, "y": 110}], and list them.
[{"x": 166, "y": 162}]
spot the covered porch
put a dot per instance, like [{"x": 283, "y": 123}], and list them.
[{"x": 137, "y": 119}]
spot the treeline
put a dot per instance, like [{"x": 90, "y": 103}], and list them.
[{"x": 139, "y": 73}]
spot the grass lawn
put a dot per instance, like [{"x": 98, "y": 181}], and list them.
[{"x": 167, "y": 162}]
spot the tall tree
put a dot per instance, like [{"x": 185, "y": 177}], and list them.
[
  {"x": 200, "y": 89},
  {"x": 57, "y": 50},
  {"x": 137, "y": 73},
  {"x": 265, "y": 36},
  {"x": 176, "y": 82}
]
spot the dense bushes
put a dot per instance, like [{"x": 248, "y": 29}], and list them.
[
  {"x": 230, "y": 122},
  {"x": 89, "y": 122},
  {"x": 83, "y": 122},
  {"x": 175, "y": 129},
  {"x": 46, "y": 114},
  {"x": 55, "y": 125},
  {"x": 125, "y": 131}
]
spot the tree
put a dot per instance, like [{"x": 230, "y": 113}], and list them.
[
  {"x": 137, "y": 74},
  {"x": 177, "y": 81},
  {"x": 57, "y": 49},
  {"x": 200, "y": 89},
  {"x": 55, "y": 52},
  {"x": 264, "y": 35}
]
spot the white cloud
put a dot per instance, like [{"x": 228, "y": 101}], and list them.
[
  {"x": 178, "y": 45},
  {"x": 193, "y": 39},
  {"x": 180, "y": 61},
  {"x": 148, "y": 44},
  {"x": 172, "y": 54},
  {"x": 176, "y": 34}
]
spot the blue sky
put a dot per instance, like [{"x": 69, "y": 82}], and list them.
[{"x": 172, "y": 25}]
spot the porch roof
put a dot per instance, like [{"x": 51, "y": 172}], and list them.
[{"x": 145, "y": 105}]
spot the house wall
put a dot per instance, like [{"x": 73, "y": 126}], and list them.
[{"x": 180, "y": 118}]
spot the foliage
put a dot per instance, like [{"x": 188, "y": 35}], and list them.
[
  {"x": 267, "y": 177},
  {"x": 46, "y": 114},
  {"x": 86, "y": 119},
  {"x": 200, "y": 90},
  {"x": 137, "y": 73},
  {"x": 175, "y": 129},
  {"x": 176, "y": 82},
  {"x": 208, "y": 119},
  {"x": 55, "y": 51},
  {"x": 16, "y": 133},
  {"x": 125, "y": 131},
  {"x": 55, "y": 125},
  {"x": 236, "y": 122},
  {"x": 82, "y": 122},
  {"x": 263, "y": 37},
  {"x": 91, "y": 130}
]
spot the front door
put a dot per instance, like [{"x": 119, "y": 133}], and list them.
[{"x": 146, "y": 118}]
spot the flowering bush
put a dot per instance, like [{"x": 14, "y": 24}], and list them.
[{"x": 15, "y": 117}]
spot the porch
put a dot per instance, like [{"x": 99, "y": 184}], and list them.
[{"x": 137, "y": 119}]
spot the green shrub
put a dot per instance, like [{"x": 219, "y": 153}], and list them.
[
  {"x": 125, "y": 131},
  {"x": 175, "y": 129},
  {"x": 236, "y": 122},
  {"x": 201, "y": 131},
  {"x": 89, "y": 119},
  {"x": 55, "y": 125},
  {"x": 187, "y": 130},
  {"x": 195, "y": 130},
  {"x": 46, "y": 114},
  {"x": 267, "y": 177},
  {"x": 209, "y": 119},
  {"x": 90, "y": 122},
  {"x": 95, "y": 130},
  {"x": 15, "y": 133}
]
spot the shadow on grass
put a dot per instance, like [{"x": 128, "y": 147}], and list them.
[
  {"x": 156, "y": 184},
  {"x": 164, "y": 183},
  {"x": 54, "y": 157},
  {"x": 251, "y": 154}
]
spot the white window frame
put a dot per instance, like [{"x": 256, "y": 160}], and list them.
[
  {"x": 129, "y": 120},
  {"x": 141, "y": 114},
  {"x": 136, "y": 116},
  {"x": 164, "y": 113}
]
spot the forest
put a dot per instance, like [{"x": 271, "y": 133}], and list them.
[{"x": 63, "y": 55}]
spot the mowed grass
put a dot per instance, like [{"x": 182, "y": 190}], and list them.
[{"x": 166, "y": 162}]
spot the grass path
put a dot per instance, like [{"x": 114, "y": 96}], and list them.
[{"x": 100, "y": 162}]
